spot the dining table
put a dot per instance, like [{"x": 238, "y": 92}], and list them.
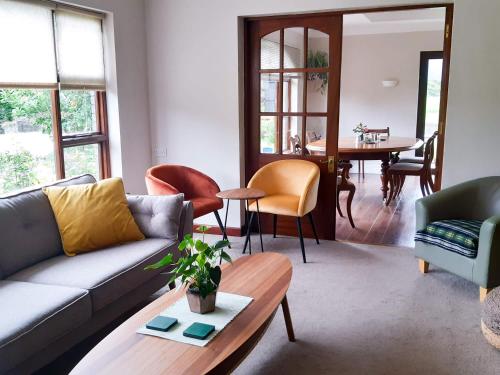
[{"x": 386, "y": 150}]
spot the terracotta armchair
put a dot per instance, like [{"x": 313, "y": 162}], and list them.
[
  {"x": 169, "y": 179},
  {"x": 291, "y": 188}
]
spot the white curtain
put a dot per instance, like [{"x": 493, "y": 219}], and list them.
[
  {"x": 80, "y": 59},
  {"x": 27, "y": 44}
]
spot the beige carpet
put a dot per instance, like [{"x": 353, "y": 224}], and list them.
[{"x": 362, "y": 309}]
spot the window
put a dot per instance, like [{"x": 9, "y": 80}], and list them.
[{"x": 53, "y": 121}]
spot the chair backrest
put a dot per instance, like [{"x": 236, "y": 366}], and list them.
[
  {"x": 174, "y": 179},
  {"x": 429, "y": 150},
  {"x": 289, "y": 177},
  {"x": 379, "y": 131},
  {"x": 295, "y": 144}
]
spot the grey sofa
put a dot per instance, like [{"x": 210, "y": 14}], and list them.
[
  {"x": 473, "y": 200},
  {"x": 49, "y": 301}
]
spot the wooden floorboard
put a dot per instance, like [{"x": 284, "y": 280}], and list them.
[{"x": 375, "y": 222}]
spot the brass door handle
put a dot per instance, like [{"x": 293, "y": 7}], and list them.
[{"x": 331, "y": 163}]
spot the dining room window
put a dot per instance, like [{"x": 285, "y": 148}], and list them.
[{"x": 53, "y": 119}]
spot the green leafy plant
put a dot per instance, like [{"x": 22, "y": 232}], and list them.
[
  {"x": 318, "y": 59},
  {"x": 359, "y": 129},
  {"x": 198, "y": 266}
]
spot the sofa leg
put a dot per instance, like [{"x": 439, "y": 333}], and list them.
[
  {"x": 423, "y": 266},
  {"x": 483, "y": 292}
]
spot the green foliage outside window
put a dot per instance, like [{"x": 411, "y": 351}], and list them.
[{"x": 26, "y": 119}]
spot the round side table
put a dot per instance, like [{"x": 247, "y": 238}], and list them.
[{"x": 244, "y": 194}]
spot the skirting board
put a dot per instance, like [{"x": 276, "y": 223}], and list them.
[{"x": 231, "y": 231}]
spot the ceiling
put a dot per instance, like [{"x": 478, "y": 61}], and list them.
[{"x": 429, "y": 19}]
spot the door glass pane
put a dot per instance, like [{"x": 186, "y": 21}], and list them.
[
  {"x": 316, "y": 135},
  {"x": 82, "y": 159},
  {"x": 78, "y": 111},
  {"x": 269, "y": 84},
  {"x": 293, "y": 88},
  {"x": 270, "y": 51},
  {"x": 292, "y": 135},
  {"x": 317, "y": 92},
  {"x": 318, "y": 49},
  {"x": 293, "y": 54},
  {"x": 433, "y": 96},
  {"x": 26, "y": 142},
  {"x": 268, "y": 134}
]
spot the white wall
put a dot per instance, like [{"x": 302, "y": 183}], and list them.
[
  {"x": 127, "y": 92},
  {"x": 194, "y": 83},
  {"x": 369, "y": 59}
]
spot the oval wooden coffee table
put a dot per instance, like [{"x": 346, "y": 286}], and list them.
[{"x": 264, "y": 276}]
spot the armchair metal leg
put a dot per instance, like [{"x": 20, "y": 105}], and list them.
[
  {"x": 299, "y": 227},
  {"x": 423, "y": 266},
  {"x": 221, "y": 226},
  {"x": 310, "y": 217},
  {"x": 247, "y": 239},
  {"x": 483, "y": 292},
  {"x": 275, "y": 223}
]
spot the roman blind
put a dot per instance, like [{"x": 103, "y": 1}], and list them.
[
  {"x": 80, "y": 59},
  {"x": 27, "y": 44},
  {"x": 45, "y": 44}
]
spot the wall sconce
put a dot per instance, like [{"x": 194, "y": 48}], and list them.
[{"x": 390, "y": 82}]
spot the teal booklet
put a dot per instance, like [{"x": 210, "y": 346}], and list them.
[
  {"x": 161, "y": 323},
  {"x": 199, "y": 331}
]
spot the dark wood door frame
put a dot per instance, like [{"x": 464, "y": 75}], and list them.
[
  {"x": 425, "y": 56},
  {"x": 444, "y": 81},
  {"x": 254, "y": 30}
]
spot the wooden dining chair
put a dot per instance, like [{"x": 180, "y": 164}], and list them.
[
  {"x": 343, "y": 184},
  {"x": 398, "y": 172},
  {"x": 361, "y": 163}
]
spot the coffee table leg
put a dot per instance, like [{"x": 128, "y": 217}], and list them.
[
  {"x": 288, "y": 319},
  {"x": 258, "y": 222}
]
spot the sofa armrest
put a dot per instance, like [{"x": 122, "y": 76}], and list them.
[
  {"x": 450, "y": 203},
  {"x": 186, "y": 221},
  {"x": 487, "y": 269}
]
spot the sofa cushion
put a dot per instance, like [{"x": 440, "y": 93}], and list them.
[
  {"x": 158, "y": 216},
  {"x": 34, "y": 315},
  {"x": 29, "y": 229},
  {"x": 458, "y": 236},
  {"x": 108, "y": 274}
]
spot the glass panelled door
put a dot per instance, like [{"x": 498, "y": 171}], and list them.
[{"x": 292, "y": 101}]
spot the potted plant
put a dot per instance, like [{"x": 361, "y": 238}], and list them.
[
  {"x": 360, "y": 130},
  {"x": 199, "y": 270}
]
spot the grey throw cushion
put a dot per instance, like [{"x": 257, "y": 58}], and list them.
[
  {"x": 157, "y": 216},
  {"x": 29, "y": 229}
]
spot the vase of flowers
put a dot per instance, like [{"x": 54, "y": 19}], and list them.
[
  {"x": 198, "y": 269},
  {"x": 360, "y": 131}
]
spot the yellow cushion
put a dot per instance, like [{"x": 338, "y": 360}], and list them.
[
  {"x": 92, "y": 216},
  {"x": 278, "y": 204}
]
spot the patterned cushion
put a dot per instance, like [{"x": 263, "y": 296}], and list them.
[{"x": 459, "y": 236}]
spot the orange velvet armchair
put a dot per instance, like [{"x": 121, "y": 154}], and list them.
[{"x": 169, "y": 179}]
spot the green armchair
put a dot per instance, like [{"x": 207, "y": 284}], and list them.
[{"x": 473, "y": 200}]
